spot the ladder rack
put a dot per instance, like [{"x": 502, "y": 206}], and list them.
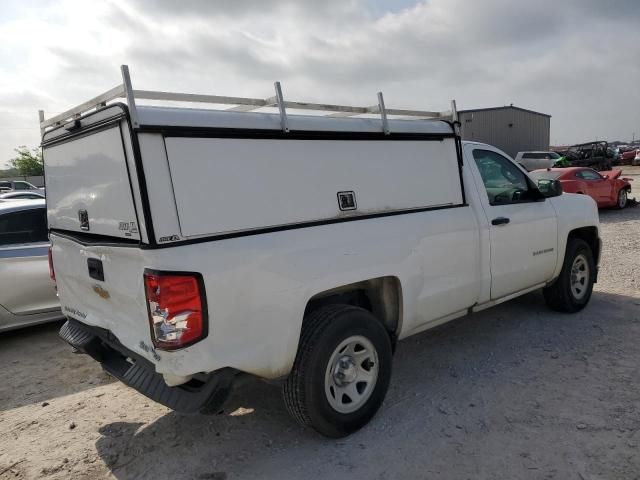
[{"x": 239, "y": 104}]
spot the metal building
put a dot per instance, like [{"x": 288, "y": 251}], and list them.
[{"x": 511, "y": 129}]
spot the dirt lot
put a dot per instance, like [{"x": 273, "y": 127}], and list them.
[{"x": 514, "y": 392}]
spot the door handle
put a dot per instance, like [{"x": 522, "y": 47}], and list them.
[{"x": 500, "y": 221}]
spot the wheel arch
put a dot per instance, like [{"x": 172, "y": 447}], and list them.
[
  {"x": 590, "y": 236},
  {"x": 382, "y": 296}
]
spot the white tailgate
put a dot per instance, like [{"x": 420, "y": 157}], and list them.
[
  {"x": 90, "y": 173},
  {"x": 226, "y": 185},
  {"x": 117, "y": 303}
]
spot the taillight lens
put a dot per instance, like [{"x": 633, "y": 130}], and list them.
[
  {"x": 52, "y": 273},
  {"x": 177, "y": 308}
]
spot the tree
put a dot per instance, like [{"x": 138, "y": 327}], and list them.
[
  {"x": 9, "y": 172},
  {"x": 28, "y": 162}
]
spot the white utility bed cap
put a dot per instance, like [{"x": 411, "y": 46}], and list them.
[{"x": 162, "y": 174}]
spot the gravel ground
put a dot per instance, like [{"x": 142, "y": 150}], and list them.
[{"x": 514, "y": 392}]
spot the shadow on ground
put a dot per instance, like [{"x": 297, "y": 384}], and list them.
[
  {"x": 611, "y": 215},
  {"x": 512, "y": 392},
  {"x": 37, "y": 365}
]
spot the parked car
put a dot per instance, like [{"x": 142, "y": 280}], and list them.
[
  {"x": 9, "y": 185},
  {"x": 290, "y": 247},
  {"x": 22, "y": 195},
  {"x": 636, "y": 160},
  {"x": 614, "y": 154},
  {"x": 27, "y": 295},
  {"x": 591, "y": 154},
  {"x": 608, "y": 189},
  {"x": 536, "y": 160},
  {"x": 627, "y": 157}
]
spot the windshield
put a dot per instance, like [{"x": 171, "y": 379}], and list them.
[
  {"x": 545, "y": 175},
  {"x": 554, "y": 155}
]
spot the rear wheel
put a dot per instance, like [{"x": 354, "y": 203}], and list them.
[
  {"x": 572, "y": 290},
  {"x": 342, "y": 370},
  {"x": 622, "y": 198}
]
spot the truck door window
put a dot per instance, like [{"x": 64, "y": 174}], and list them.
[{"x": 505, "y": 183}]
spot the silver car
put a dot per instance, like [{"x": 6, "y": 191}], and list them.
[
  {"x": 21, "y": 195},
  {"x": 27, "y": 294},
  {"x": 10, "y": 185}
]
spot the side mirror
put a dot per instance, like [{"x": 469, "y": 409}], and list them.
[{"x": 550, "y": 188}]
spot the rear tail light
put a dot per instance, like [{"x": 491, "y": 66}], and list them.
[
  {"x": 177, "y": 308},
  {"x": 52, "y": 273}
]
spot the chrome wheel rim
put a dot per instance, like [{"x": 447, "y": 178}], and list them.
[
  {"x": 622, "y": 198},
  {"x": 351, "y": 375},
  {"x": 579, "y": 277}
]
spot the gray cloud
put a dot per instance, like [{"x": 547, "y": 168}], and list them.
[
  {"x": 576, "y": 59},
  {"x": 234, "y": 9}
]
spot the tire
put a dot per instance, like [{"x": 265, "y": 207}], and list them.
[
  {"x": 311, "y": 393},
  {"x": 622, "y": 198},
  {"x": 568, "y": 293}
]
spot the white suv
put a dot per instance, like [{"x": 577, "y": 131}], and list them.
[{"x": 537, "y": 160}]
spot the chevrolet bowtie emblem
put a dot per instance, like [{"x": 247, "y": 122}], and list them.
[{"x": 101, "y": 291}]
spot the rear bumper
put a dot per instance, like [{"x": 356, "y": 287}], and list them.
[{"x": 203, "y": 394}]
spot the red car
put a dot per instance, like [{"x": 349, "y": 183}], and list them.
[
  {"x": 626, "y": 158},
  {"x": 606, "y": 188}
]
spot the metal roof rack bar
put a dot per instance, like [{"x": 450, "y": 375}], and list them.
[
  {"x": 130, "y": 96},
  {"x": 383, "y": 114},
  {"x": 115, "y": 92},
  {"x": 454, "y": 117},
  {"x": 238, "y": 104},
  {"x": 281, "y": 106}
]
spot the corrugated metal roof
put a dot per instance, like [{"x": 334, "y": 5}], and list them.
[{"x": 504, "y": 108}]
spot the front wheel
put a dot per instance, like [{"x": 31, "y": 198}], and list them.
[
  {"x": 622, "y": 198},
  {"x": 572, "y": 290},
  {"x": 341, "y": 372}
]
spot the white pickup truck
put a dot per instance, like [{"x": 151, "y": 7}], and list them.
[{"x": 192, "y": 245}]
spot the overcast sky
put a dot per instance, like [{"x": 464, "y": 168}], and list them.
[{"x": 577, "y": 60}]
